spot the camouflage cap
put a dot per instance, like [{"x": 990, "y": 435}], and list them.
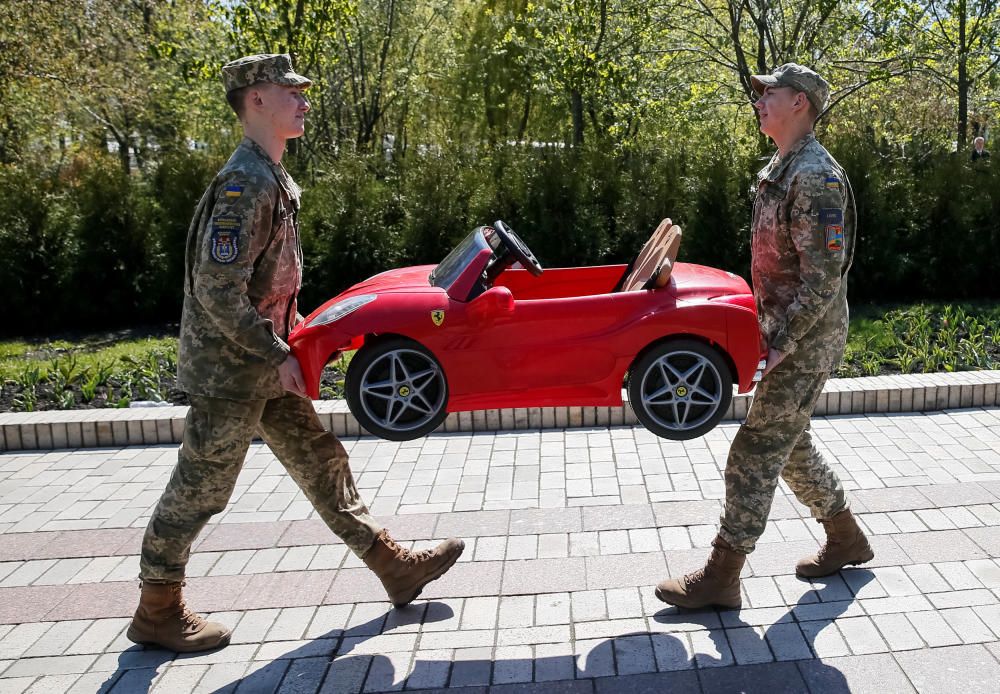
[
  {"x": 798, "y": 77},
  {"x": 266, "y": 67}
]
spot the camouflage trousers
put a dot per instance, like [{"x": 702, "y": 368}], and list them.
[
  {"x": 775, "y": 441},
  {"x": 217, "y": 434}
]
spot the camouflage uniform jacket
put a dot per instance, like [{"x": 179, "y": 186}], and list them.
[
  {"x": 802, "y": 245},
  {"x": 243, "y": 270}
]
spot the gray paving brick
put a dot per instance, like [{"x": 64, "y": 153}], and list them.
[
  {"x": 940, "y": 546},
  {"x": 512, "y": 664},
  {"x": 864, "y": 674},
  {"x": 618, "y": 518},
  {"x": 824, "y": 638},
  {"x": 472, "y": 666},
  {"x": 897, "y": 632},
  {"x": 626, "y": 570},
  {"x": 544, "y": 576},
  {"x": 787, "y": 642},
  {"x": 52, "y": 665},
  {"x": 749, "y": 646},
  {"x": 767, "y": 678},
  {"x": 711, "y": 648},
  {"x": 933, "y": 670},
  {"x": 552, "y": 608},
  {"x": 987, "y": 538},
  {"x": 634, "y": 655},
  {"x": 553, "y": 662},
  {"x": 933, "y": 629}
]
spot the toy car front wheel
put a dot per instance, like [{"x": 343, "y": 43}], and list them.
[
  {"x": 396, "y": 390},
  {"x": 680, "y": 389}
]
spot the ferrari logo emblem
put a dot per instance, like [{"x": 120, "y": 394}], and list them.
[
  {"x": 681, "y": 391},
  {"x": 437, "y": 317}
]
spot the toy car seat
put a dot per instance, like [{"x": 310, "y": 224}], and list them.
[{"x": 652, "y": 267}]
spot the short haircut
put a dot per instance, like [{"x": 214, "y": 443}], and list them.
[
  {"x": 979, "y": 139},
  {"x": 237, "y": 100}
]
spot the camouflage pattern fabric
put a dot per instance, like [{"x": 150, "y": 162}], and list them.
[
  {"x": 775, "y": 441},
  {"x": 217, "y": 434},
  {"x": 802, "y": 247},
  {"x": 243, "y": 271},
  {"x": 266, "y": 67},
  {"x": 798, "y": 77}
]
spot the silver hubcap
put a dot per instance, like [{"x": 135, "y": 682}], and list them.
[
  {"x": 402, "y": 390},
  {"x": 681, "y": 390}
]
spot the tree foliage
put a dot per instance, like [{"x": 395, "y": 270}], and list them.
[{"x": 582, "y": 121}]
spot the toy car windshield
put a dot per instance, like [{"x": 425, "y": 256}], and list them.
[{"x": 448, "y": 270}]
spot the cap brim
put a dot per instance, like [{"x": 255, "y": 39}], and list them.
[
  {"x": 762, "y": 82},
  {"x": 292, "y": 79}
]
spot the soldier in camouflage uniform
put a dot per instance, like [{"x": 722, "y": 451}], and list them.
[
  {"x": 802, "y": 245},
  {"x": 242, "y": 277}
]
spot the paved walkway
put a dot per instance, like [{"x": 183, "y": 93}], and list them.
[{"x": 567, "y": 532}]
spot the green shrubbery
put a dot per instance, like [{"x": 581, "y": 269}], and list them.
[{"x": 86, "y": 247}]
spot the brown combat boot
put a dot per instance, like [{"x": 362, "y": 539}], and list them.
[
  {"x": 162, "y": 619},
  {"x": 717, "y": 583},
  {"x": 404, "y": 573},
  {"x": 845, "y": 544}
]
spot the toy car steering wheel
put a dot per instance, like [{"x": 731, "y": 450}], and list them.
[{"x": 517, "y": 248}]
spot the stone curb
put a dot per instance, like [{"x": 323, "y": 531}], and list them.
[{"x": 56, "y": 429}]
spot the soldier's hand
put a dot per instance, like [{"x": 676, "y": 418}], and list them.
[
  {"x": 774, "y": 358},
  {"x": 290, "y": 374}
]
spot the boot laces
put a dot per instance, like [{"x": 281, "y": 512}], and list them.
[
  {"x": 191, "y": 620},
  {"x": 405, "y": 555},
  {"x": 699, "y": 575}
]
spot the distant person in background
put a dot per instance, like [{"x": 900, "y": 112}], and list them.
[{"x": 979, "y": 149}]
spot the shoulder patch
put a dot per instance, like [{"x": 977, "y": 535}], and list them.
[
  {"x": 831, "y": 215},
  {"x": 234, "y": 191},
  {"x": 834, "y": 237},
  {"x": 833, "y": 183},
  {"x": 225, "y": 239}
]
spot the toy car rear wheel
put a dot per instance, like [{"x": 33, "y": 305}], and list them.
[
  {"x": 396, "y": 389},
  {"x": 680, "y": 389}
]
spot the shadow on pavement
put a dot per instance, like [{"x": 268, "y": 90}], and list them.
[{"x": 338, "y": 661}]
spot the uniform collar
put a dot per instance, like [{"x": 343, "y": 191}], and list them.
[
  {"x": 779, "y": 164},
  {"x": 284, "y": 180}
]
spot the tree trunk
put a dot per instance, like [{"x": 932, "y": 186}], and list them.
[
  {"x": 963, "y": 78},
  {"x": 576, "y": 108}
]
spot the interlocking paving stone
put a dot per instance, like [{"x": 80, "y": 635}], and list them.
[
  {"x": 939, "y": 546},
  {"x": 625, "y": 570},
  {"x": 948, "y": 596},
  {"x": 768, "y": 678},
  {"x": 538, "y": 521},
  {"x": 673, "y": 513},
  {"x": 949, "y": 669},
  {"x": 544, "y": 576},
  {"x": 864, "y": 674}
]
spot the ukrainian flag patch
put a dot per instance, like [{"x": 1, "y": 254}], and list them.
[
  {"x": 833, "y": 183},
  {"x": 234, "y": 191}
]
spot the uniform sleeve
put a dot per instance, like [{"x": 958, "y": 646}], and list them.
[
  {"x": 239, "y": 224},
  {"x": 817, "y": 232}
]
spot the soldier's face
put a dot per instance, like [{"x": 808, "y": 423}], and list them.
[
  {"x": 776, "y": 108},
  {"x": 285, "y": 108}
]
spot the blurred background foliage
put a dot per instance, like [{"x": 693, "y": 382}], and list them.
[{"x": 582, "y": 123}]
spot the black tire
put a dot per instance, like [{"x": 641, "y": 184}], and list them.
[
  {"x": 396, "y": 389},
  {"x": 680, "y": 389}
]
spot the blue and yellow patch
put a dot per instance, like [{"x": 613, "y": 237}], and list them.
[
  {"x": 225, "y": 246},
  {"x": 234, "y": 191},
  {"x": 833, "y": 183}
]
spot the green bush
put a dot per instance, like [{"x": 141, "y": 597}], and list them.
[{"x": 87, "y": 247}]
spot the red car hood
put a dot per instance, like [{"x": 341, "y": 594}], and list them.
[
  {"x": 406, "y": 279},
  {"x": 691, "y": 280}
]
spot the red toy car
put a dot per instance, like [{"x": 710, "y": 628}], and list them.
[{"x": 473, "y": 332}]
